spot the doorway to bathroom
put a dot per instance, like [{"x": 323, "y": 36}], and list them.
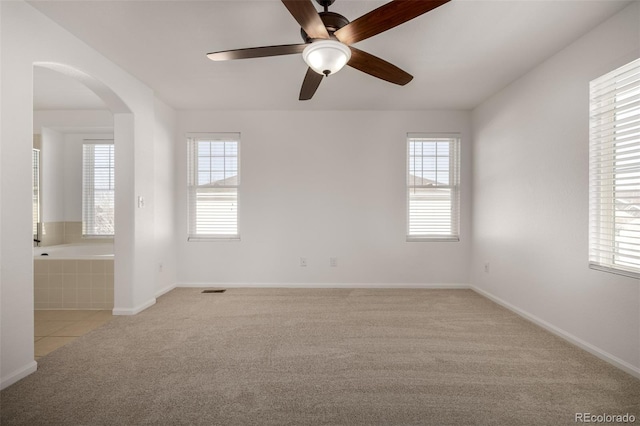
[{"x": 74, "y": 210}]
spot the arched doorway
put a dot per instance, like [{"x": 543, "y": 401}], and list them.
[{"x": 123, "y": 138}]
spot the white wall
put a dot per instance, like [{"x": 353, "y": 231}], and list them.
[
  {"x": 29, "y": 38},
  {"x": 164, "y": 196},
  {"x": 320, "y": 185},
  {"x": 530, "y": 175},
  {"x": 63, "y": 132},
  {"x": 52, "y": 176},
  {"x": 72, "y": 120},
  {"x": 61, "y": 175}
]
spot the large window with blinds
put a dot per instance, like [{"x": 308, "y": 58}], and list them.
[
  {"x": 614, "y": 171},
  {"x": 433, "y": 187},
  {"x": 213, "y": 186},
  {"x": 98, "y": 188}
]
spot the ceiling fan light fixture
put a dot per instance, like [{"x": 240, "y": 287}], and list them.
[{"x": 326, "y": 56}]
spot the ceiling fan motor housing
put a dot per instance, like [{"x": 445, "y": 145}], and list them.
[{"x": 331, "y": 20}]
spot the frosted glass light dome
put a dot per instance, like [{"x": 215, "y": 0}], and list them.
[{"x": 326, "y": 56}]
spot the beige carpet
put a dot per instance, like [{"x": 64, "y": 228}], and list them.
[{"x": 319, "y": 356}]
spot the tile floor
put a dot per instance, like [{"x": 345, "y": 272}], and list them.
[{"x": 54, "y": 329}]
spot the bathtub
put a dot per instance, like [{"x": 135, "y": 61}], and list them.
[
  {"x": 73, "y": 276},
  {"x": 75, "y": 251}
]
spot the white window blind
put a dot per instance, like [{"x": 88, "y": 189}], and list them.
[
  {"x": 433, "y": 187},
  {"x": 213, "y": 186},
  {"x": 98, "y": 188},
  {"x": 614, "y": 171},
  {"x": 36, "y": 193}
]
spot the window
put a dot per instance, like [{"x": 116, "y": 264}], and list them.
[
  {"x": 614, "y": 171},
  {"x": 433, "y": 193},
  {"x": 36, "y": 193},
  {"x": 98, "y": 188},
  {"x": 214, "y": 182}
]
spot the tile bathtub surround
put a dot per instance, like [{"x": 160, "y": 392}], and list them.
[
  {"x": 52, "y": 233},
  {"x": 72, "y": 232},
  {"x": 55, "y": 233},
  {"x": 73, "y": 284},
  {"x": 73, "y": 235}
]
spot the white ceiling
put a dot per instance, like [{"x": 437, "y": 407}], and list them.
[{"x": 459, "y": 54}]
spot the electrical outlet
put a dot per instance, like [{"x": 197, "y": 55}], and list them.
[
  {"x": 486, "y": 267},
  {"x": 303, "y": 262},
  {"x": 333, "y": 262}
]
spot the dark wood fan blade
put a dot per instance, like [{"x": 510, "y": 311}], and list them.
[
  {"x": 307, "y": 16},
  {"x": 377, "y": 67},
  {"x": 310, "y": 84},
  {"x": 257, "y": 52},
  {"x": 384, "y": 18}
]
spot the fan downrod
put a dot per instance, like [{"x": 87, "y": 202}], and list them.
[{"x": 325, "y": 4}]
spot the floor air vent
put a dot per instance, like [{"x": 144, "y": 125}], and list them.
[{"x": 216, "y": 290}]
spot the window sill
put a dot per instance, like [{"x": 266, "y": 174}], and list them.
[
  {"x": 433, "y": 239},
  {"x": 623, "y": 272},
  {"x": 211, "y": 239}
]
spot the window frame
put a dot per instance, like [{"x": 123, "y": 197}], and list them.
[
  {"x": 454, "y": 185},
  {"x": 607, "y": 151},
  {"x": 192, "y": 185},
  {"x": 85, "y": 202}
]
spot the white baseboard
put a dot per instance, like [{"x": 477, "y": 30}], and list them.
[
  {"x": 20, "y": 374},
  {"x": 324, "y": 285},
  {"x": 594, "y": 350},
  {"x": 165, "y": 290},
  {"x": 136, "y": 310}
]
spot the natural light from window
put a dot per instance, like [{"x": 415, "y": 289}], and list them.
[
  {"x": 214, "y": 182},
  {"x": 614, "y": 219},
  {"x": 98, "y": 189},
  {"x": 432, "y": 188}
]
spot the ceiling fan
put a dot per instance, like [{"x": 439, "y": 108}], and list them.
[{"x": 328, "y": 37}]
